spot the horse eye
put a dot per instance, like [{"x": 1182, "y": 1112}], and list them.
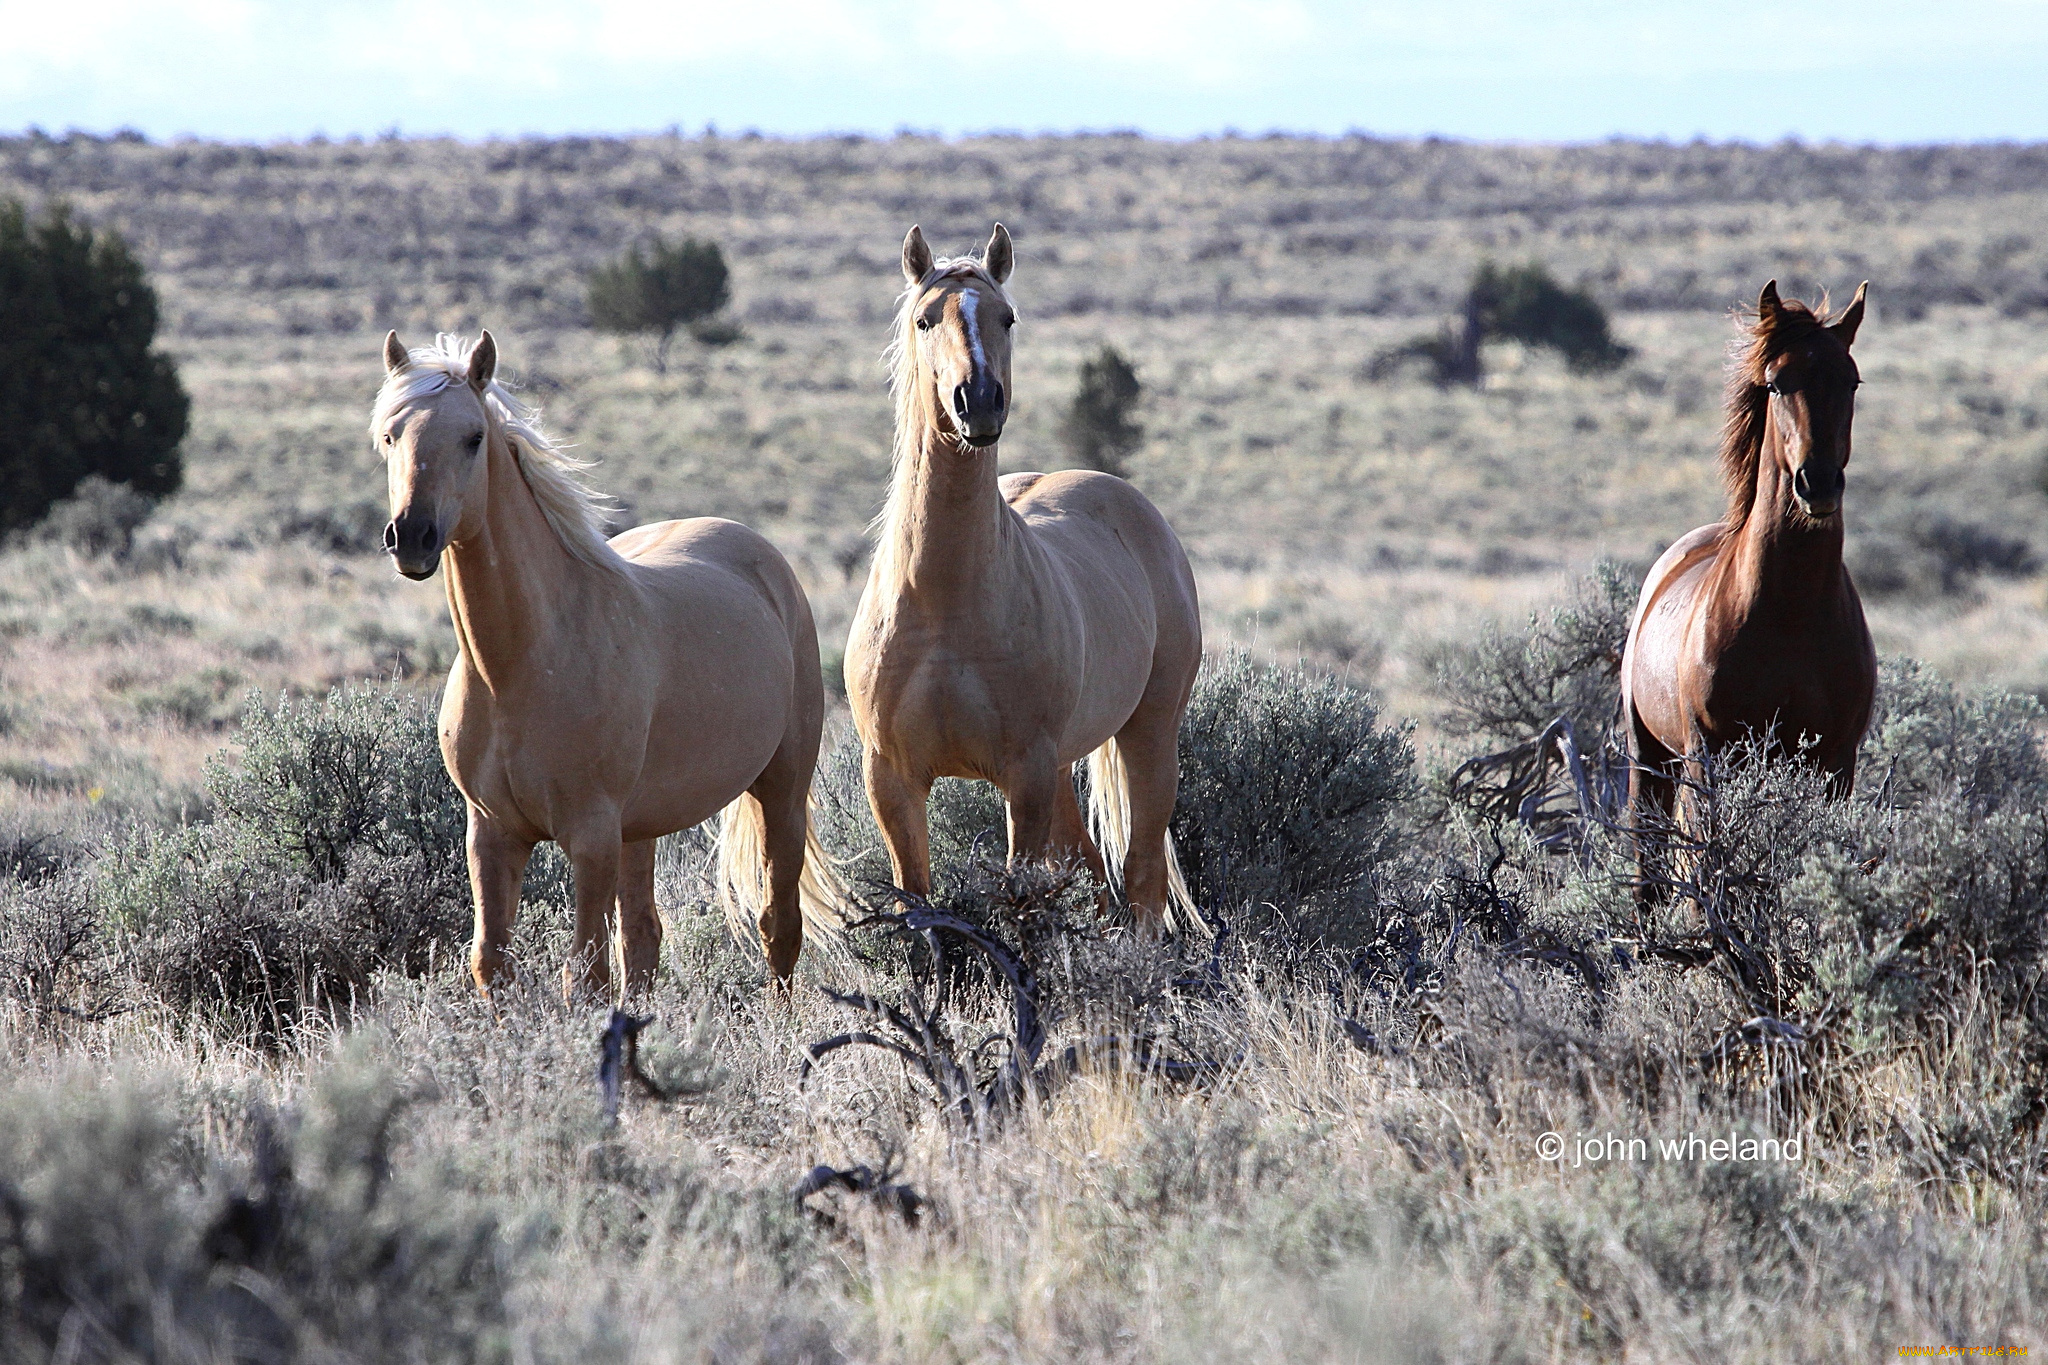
[
  {"x": 1010, "y": 321},
  {"x": 924, "y": 324},
  {"x": 389, "y": 439},
  {"x": 476, "y": 441}
]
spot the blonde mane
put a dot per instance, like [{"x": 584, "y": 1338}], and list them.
[
  {"x": 578, "y": 513},
  {"x": 900, "y": 359}
]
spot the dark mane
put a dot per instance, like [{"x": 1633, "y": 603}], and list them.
[{"x": 1742, "y": 434}]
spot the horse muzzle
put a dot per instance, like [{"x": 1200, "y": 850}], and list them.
[
  {"x": 1818, "y": 489},
  {"x": 979, "y": 411},
  {"x": 414, "y": 544}
]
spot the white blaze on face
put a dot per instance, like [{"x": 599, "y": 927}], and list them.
[{"x": 970, "y": 300}]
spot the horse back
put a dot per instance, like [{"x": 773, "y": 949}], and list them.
[
  {"x": 1109, "y": 534},
  {"x": 701, "y": 560},
  {"x": 1129, "y": 574}
]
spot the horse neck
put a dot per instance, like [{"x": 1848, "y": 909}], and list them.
[
  {"x": 509, "y": 586},
  {"x": 950, "y": 526},
  {"x": 1783, "y": 562}
]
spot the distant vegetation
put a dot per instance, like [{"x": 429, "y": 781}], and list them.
[
  {"x": 665, "y": 288},
  {"x": 1099, "y": 429},
  {"x": 1519, "y": 303},
  {"x": 82, "y": 393}
]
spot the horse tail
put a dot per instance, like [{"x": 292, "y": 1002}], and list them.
[
  {"x": 743, "y": 877},
  {"x": 1109, "y": 820}
]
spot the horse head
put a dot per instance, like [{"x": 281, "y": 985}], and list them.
[
  {"x": 431, "y": 425},
  {"x": 959, "y": 319},
  {"x": 1809, "y": 390}
]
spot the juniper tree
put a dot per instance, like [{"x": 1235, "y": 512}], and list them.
[
  {"x": 81, "y": 390},
  {"x": 659, "y": 290},
  {"x": 1099, "y": 430}
]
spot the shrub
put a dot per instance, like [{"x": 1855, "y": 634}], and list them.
[
  {"x": 318, "y": 780},
  {"x": 336, "y": 852},
  {"x": 1523, "y": 303},
  {"x": 1507, "y": 686},
  {"x": 1288, "y": 785},
  {"x": 99, "y": 519},
  {"x": 1288, "y": 788},
  {"x": 81, "y": 392},
  {"x": 51, "y": 954},
  {"x": 665, "y": 288},
  {"x": 1930, "y": 740},
  {"x": 118, "y": 1245},
  {"x": 1098, "y": 428}
]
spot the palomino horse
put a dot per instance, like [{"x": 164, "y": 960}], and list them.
[
  {"x": 1014, "y": 626},
  {"x": 608, "y": 692},
  {"x": 1751, "y": 627}
]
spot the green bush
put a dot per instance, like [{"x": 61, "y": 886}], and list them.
[
  {"x": 1288, "y": 785},
  {"x": 1927, "y": 553},
  {"x": 656, "y": 292},
  {"x": 1288, "y": 789},
  {"x": 81, "y": 392}
]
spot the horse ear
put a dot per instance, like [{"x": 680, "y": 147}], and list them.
[
  {"x": 483, "y": 362},
  {"x": 1767, "y": 304},
  {"x": 917, "y": 257},
  {"x": 1000, "y": 258},
  {"x": 396, "y": 358},
  {"x": 1852, "y": 317}
]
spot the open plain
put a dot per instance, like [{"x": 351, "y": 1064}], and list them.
[{"x": 1307, "y": 1196}]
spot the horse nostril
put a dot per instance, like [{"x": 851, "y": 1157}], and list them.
[
  {"x": 960, "y": 401},
  {"x": 390, "y": 536},
  {"x": 1817, "y": 483}
]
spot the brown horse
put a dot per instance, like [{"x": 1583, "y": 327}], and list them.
[
  {"x": 1012, "y": 627},
  {"x": 1751, "y": 627},
  {"x": 607, "y": 692}
]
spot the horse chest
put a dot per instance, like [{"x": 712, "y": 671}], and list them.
[{"x": 1800, "y": 682}]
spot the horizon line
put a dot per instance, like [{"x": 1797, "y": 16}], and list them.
[{"x": 711, "y": 132}]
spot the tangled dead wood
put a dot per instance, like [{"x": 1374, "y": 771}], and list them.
[
  {"x": 879, "y": 1187},
  {"x": 980, "y": 1083}
]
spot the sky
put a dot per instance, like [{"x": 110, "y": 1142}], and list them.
[{"x": 1885, "y": 71}]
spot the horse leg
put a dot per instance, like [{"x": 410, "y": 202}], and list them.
[
  {"x": 1149, "y": 745},
  {"x": 595, "y": 852},
  {"x": 639, "y": 919},
  {"x": 1652, "y": 795},
  {"x": 1030, "y": 794},
  {"x": 899, "y": 805},
  {"x": 1841, "y": 771},
  {"x": 497, "y": 868},
  {"x": 784, "y": 791},
  {"x": 1070, "y": 835}
]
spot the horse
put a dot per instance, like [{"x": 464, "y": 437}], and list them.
[
  {"x": 606, "y": 692},
  {"x": 1751, "y": 627},
  {"x": 1011, "y": 627}
]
